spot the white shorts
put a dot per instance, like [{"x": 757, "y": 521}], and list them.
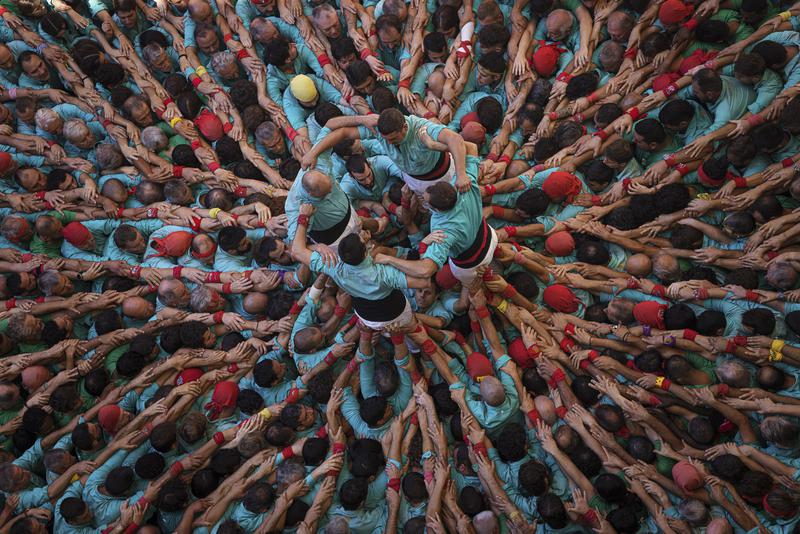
[
  {"x": 353, "y": 226},
  {"x": 466, "y": 276},
  {"x": 419, "y": 186},
  {"x": 403, "y": 319}
]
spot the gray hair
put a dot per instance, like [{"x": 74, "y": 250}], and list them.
[
  {"x": 288, "y": 473},
  {"x": 221, "y": 60},
  {"x": 201, "y": 298},
  {"x": 108, "y": 156},
  {"x": 154, "y": 138},
  {"x": 733, "y": 373},
  {"x": 75, "y": 130},
  {"x": 337, "y": 525},
  {"x": 693, "y": 511},
  {"x": 45, "y": 116},
  {"x": 152, "y": 51},
  {"x": 48, "y": 280}
]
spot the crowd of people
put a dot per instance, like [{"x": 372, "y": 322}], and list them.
[{"x": 523, "y": 266}]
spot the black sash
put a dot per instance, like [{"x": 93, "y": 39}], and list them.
[
  {"x": 381, "y": 310},
  {"x": 329, "y": 235},
  {"x": 438, "y": 170},
  {"x": 474, "y": 255}
]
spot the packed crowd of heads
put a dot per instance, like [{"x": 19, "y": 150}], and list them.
[{"x": 443, "y": 266}]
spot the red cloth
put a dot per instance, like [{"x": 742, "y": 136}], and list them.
[
  {"x": 225, "y": 395},
  {"x": 662, "y": 81},
  {"x": 697, "y": 58},
  {"x": 686, "y": 476},
  {"x": 650, "y": 313},
  {"x": 445, "y": 278},
  {"x": 108, "y": 417},
  {"x": 519, "y": 353},
  {"x": 674, "y": 12},
  {"x": 472, "y": 116},
  {"x": 173, "y": 245},
  {"x": 560, "y": 244},
  {"x": 188, "y": 375},
  {"x": 560, "y": 185},
  {"x": 474, "y": 132},
  {"x": 76, "y": 233},
  {"x": 545, "y": 59},
  {"x": 478, "y": 365},
  {"x": 561, "y": 298},
  {"x": 5, "y": 161},
  {"x": 209, "y": 125}
]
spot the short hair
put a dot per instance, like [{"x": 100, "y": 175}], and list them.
[
  {"x": 442, "y": 196},
  {"x": 390, "y": 121},
  {"x": 352, "y": 250}
]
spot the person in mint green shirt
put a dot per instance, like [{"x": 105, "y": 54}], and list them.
[{"x": 369, "y": 178}]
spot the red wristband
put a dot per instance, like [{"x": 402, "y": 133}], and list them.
[
  {"x": 213, "y": 166},
  {"x": 287, "y": 453},
  {"x": 324, "y": 60},
  {"x": 423, "y": 247},
  {"x": 291, "y": 133},
  {"x": 302, "y": 220},
  {"x": 751, "y": 296},
  {"x": 213, "y": 277},
  {"x": 176, "y": 272},
  {"x": 241, "y": 54},
  {"x": 689, "y": 334},
  {"x": 195, "y": 144},
  {"x": 176, "y": 469},
  {"x": 633, "y": 112},
  {"x": 475, "y": 327},
  {"x": 218, "y": 317},
  {"x": 490, "y": 190},
  {"x": 405, "y": 83},
  {"x": 509, "y": 291},
  {"x": 670, "y": 90},
  {"x": 295, "y": 309},
  {"x": 601, "y": 134},
  {"x": 510, "y": 230},
  {"x": 482, "y": 312},
  {"x": 505, "y": 158},
  {"x": 658, "y": 291},
  {"x": 219, "y": 438},
  {"x": 338, "y": 448},
  {"x": 428, "y": 347},
  {"x": 690, "y": 24},
  {"x": 11, "y": 303},
  {"x": 398, "y": 339},
  {"x": 533, "y": 416},
  {"x": 226, "y": 288}
]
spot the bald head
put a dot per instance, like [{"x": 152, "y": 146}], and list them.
[
  {"x": 719, "y": 525},
  {"x": 199, "y": 9},
  {"x": 666, "y": 268},
  {"x": 173, "y": 293},
  {"x": 138, "y": 308},
  {"x": 546, "y": 408},
  {"x": 255, "y": 303},
  {"x": 492, "y": 391},
  {"x": 620, "y": 311},
  {"x": 781, "y": 275},
  {"x": 639, "y": 265},
  {"x": 34, "y": 376},
  {"x": 317, "y": 183},
  {"x": 559, "y": 24},
  {"x": 486, "y": 523},
  {"x": 619, "y": 26}
]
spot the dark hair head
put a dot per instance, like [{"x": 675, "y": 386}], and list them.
[{"x": 149, "y": 466}]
